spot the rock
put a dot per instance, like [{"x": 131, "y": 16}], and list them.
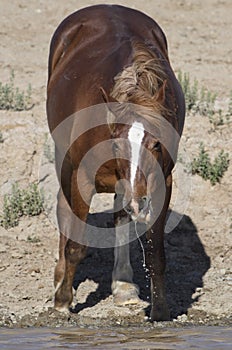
[{"x": 182, "y": 318}]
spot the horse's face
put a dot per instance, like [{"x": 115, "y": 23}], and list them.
[{"x": 139, "y": 157}]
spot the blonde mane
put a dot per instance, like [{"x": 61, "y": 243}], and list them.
[{"x": 140, "y": 82}]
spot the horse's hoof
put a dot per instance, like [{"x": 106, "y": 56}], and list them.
[
  {"x": 63, "y": 301},
  {"x": 124, "y": 300},
  {"x": 62, "y": 308},
  {"x": 125, "y": 293}
]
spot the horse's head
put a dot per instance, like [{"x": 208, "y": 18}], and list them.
[{"x": 142, "y": 164}]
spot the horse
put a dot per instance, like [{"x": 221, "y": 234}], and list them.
[{"x": 116, "y": 112}]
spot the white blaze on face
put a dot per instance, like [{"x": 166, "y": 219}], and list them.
[{"x": 135, "y": 136}]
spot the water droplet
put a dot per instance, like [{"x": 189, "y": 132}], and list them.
[{"x": 141, "y": 245}]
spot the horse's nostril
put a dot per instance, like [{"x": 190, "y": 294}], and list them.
[
  {"x": 135, "y": 207},
  {"x": 145, "y": 199},
  {"x": 143, "y": 203},
  {"x": 128, "y": 209}
]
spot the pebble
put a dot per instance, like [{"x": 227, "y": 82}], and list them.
[
  {"x": 182, "y": 318},
  {"x": 34, "y": 271},
  {"x": 13, "y": 318},
  {"x": 16, "y": 255}
]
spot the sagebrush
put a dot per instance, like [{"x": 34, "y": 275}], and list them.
[
  {"x": 11, "y": 98},
  {"x": 49, "y": 151},
  {"x": 20, "y": 202},
  {"x": 197, "y": 100},
  {"x": 207, "y": 169},
  {"x": 203, "y": 101}
]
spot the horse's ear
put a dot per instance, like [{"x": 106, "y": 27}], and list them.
[
  {"x": 104, "y": 95},
  {"x": 110, "y": 115},
  {"x": 161, "y": 94}
]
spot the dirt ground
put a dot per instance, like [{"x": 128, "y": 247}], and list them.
[{"x": 199, "y": 260}]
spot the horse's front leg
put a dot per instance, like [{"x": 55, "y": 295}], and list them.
[
  {"x": 155, "y": 262},
  {"x": 64, "y": 219},
  {"x": 123, "y": 289},
  {"x": 72, "y": 248}
]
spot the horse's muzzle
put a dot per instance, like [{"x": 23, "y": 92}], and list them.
[{"x": 139, "y": 210}]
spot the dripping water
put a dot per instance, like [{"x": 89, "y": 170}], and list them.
[
  {"x": 141, "y": 245},
  {"x": 144, "y": 258}
]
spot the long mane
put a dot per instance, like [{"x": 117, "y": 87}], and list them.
[{"x": 140, "y": 82}]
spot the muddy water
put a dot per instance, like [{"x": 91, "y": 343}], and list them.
[{"x": 115, "y": 338}]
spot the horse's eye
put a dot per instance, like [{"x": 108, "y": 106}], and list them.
[{"x": 157, "y": 147}]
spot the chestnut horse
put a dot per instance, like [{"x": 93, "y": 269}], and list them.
[{"x": 115, "y": 57}]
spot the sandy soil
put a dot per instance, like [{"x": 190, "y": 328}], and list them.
[{"x": 199, "y": 261}]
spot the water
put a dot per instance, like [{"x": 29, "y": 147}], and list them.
[
  {"x": 117, "y": 338},
  {"x": 141, "y": 245},
  {"x": 144, "y": 257}
]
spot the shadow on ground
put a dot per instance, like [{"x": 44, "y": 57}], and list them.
[{"x": 187, "y": 262}]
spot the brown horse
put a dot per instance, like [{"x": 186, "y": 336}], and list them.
[{"x": 116, "y": 113}]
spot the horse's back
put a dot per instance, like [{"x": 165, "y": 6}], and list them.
[
  {"x": 104, "y": 27},
  {"x": 88, "y": 49}
]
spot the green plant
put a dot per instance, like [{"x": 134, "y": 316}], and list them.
[
  {"x": 21, "y": 202},
  {"x": 220, "y": 165},
  {"x": 12, "y": 98},
  {"x": 202, "y": 102},
  {"x": 49, "y": 151},
  {"x": 201, "y": 164},
  {"x": 190, "y": 91},
  {"x": 218, "y": 119},
  {"x": 206, "y": 104},
  {"x": 229, "y": 112},
  {"x": 208, "y": 170},
  {"x": 33, "y": 239}
]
